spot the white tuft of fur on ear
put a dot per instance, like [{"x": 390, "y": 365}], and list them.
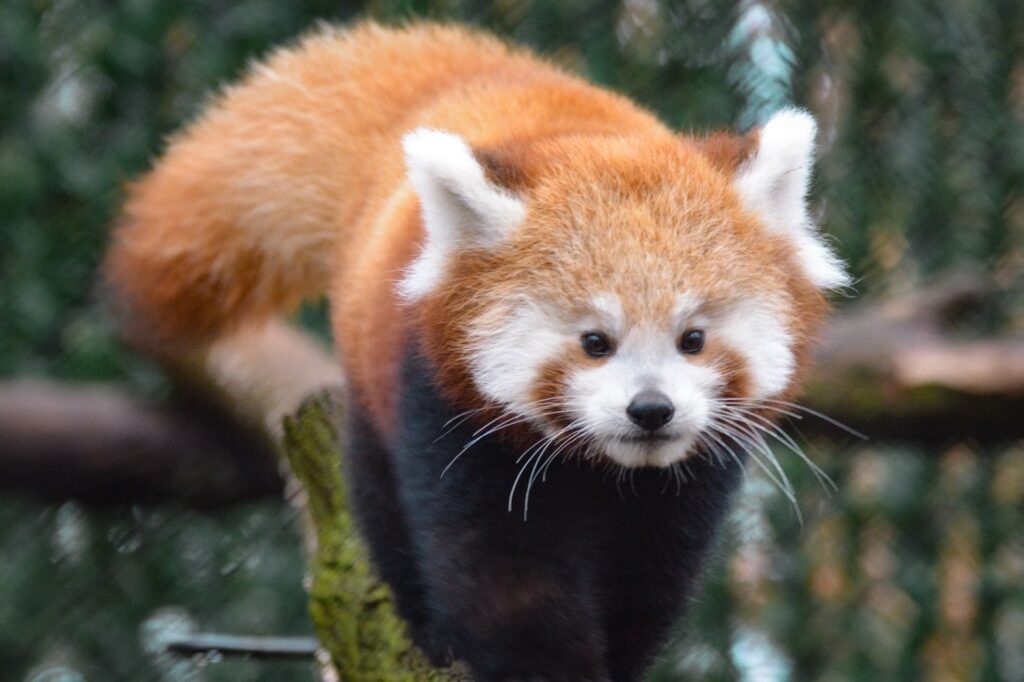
[
  {"x": 774, "y": 183},
  {"x": 461, "y": 208}
]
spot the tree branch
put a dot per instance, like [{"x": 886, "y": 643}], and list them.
[
  {"x": 248, "y": 647},
  {"x": 94, "y": 443},
  {"x": 351, "y": 608},
  {"x": 905, "y": 369}
]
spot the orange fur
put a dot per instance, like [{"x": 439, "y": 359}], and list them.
[{"x": 292, "y": 184}]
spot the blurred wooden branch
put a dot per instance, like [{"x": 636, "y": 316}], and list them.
[
  {"x": 97, "y": 444},
  {"x": 903, "y": 369}
]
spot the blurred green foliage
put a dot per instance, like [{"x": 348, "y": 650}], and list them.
[
  {"x": 913, "y": 570},
  {"x": 91, "y": 593}
]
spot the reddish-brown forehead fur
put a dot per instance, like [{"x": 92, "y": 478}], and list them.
[{"x": 643, "y": 219}]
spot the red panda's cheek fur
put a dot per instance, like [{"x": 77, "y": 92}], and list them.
[
  {"x": 442, "y": 320},
  {"x": 552, "y": 382},
  {"x": 443, "y": 323},
  {"x": 809, "y": 311},
  {"x": 731, "y": 366},
  {"x": 806, "y": 308}
]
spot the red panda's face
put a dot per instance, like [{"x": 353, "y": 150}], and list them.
[
  {"x": 630, "y": 297},
  {"x": 640, "y": 386}
]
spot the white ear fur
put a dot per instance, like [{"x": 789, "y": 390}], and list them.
[
  {"x": 461, "y": 208},
  {"x": 774, "y": 183}
]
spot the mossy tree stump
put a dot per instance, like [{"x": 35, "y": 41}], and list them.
[{"x": 352, "y": 609}]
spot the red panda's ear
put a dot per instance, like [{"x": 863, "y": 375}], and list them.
[
  {"x": 506, "y": 166},
  {"x": 773, "y": 181},
  {"x": 462, "y": 206},
  {"x": 728, "y": 151}
]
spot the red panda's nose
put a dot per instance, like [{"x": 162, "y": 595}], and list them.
[{"x": 650, "y": 410}]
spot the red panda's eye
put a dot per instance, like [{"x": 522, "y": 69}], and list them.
[
  {"x": 692, "y": 341},
  {"x": 596, "y": 344}
]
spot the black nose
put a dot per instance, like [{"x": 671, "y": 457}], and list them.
[{"x": 650, "y": 410}]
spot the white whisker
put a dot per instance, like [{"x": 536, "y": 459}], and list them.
[
  {"x": 820, "y": 415},
  {"x": 785, "y": 439}
]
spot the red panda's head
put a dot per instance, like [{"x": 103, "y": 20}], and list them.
[{"x": 633, "y": 294}]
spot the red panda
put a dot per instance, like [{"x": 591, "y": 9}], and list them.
[{"x": 535, "y": 286}]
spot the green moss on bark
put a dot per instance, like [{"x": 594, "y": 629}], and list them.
[{"x": 351, "y": 608}]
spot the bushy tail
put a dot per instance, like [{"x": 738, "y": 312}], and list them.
[
  {"x": 233, "y": 227},
  {"x": 234, "y": 224}
]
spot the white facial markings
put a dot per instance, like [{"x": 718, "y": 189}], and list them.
[
  {"x": 461, "y": 207},
  {"x": 513, "y": 343},
  {"x": 686, "y": 309},
  {"x": 774, "y": 183},
  {"x": 646, "y": 358},
  {"x": 509, "y": 348},
  {"x": 608, "y": 315},
  {"x": 759, "y": 334}
]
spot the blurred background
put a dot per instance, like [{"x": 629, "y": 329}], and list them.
[{"x": 128, "y": 511}]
